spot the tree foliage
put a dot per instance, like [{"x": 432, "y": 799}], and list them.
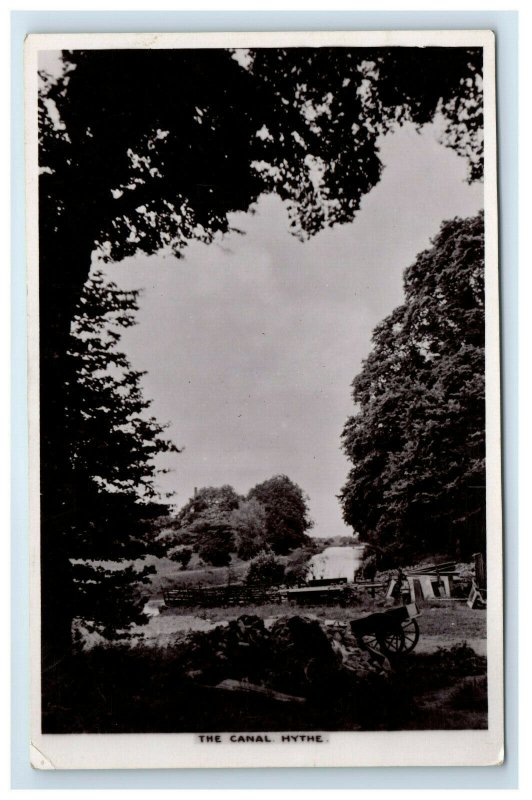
[
  {"x": 214, "y": 541},
  {"x": 287, "y": 514},
  {"x": 167, "y": 142},
  {"x": 334, "y": 103},
  {"x": 274, "y": 515},
  {"x": 113, "y": 445},
  {"x": 265, "y": 570},
  {"x": 212, "y": 503},
  {"x": 298, "y": 562},
  {"x": 417, "y": 441},
  {"x": 249, "y": 523},
  {"x": 206, "y": 520}
]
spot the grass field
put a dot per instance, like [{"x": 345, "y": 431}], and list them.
[{"x": 168, "y": 575}]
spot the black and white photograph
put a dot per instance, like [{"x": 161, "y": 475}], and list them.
[{"x": 264, "y": 400}]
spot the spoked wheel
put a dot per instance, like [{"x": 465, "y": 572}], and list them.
[
  {"x": 392, "y": 642},
  {"x": 389, "y": 643},
  {"x": 369, "y": 642},
  {"x": 411, "y": 634}
]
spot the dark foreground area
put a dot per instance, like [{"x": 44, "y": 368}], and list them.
[{"x": 296, "y": 675}]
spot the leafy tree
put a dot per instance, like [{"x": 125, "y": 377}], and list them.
[
  {"x": 182, "y": 556},
  {"x": 169, "y": 536},
  {"x": 265, "y": 570},
  {"x": 143, "y": 150},
  {"x": 286, "y": 510},
  {"x": 213, "y": 503},
  {"x": 205, "y": 522},
  {"x": 215, "y": 541},
  {"x": 113, "y": 444},
  {"x": 417, "y": 441},
  {"x": 249, "y": 523},
  {"x": 336, "y": 102}
]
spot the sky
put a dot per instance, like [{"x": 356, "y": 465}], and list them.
[{"x": 251, "y": 343}]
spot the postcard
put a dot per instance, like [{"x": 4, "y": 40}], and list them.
[{"x": 265, "y": 467}]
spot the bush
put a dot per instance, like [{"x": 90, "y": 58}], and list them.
[
  {"x": 265, "y": 570},
  {"x": 297, "y": 564},
  {"x": 182, "y": 556}
]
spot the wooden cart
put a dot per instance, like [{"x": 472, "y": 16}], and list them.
[{"x": 392, "y": 632}]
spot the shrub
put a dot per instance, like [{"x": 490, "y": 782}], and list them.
[
  {"x": 265, "y": 570},
  {"x": 182, "y": 556}
]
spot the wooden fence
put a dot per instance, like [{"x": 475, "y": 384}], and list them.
[
  {"x": 238, "y": 594},
  {"x": 223, "y": 596}
]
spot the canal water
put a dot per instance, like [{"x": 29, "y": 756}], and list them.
[{"x": 336, "y": 562}]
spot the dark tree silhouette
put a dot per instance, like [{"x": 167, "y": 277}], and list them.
[
  {"x": 417, "y": 441},
  {"x": 147, "y": 149},
  {"x": 113, "y": 445}
]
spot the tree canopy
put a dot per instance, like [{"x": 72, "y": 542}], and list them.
[
  {"x": 417, "y": 440},
  {"x": 250, "y": 524},
  {"x": 166, "y": 142},
  {"x": 205, "y": 521},
  {"x": 287, "y": 513},
  {"x": 209, "y": 503}
]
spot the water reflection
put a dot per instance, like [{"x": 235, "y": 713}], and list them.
[{"x": 336, "y": 562}]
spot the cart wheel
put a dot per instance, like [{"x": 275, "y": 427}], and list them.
[
  {"x": 369, "y": 642},
  {"x": 411, "y": 634},
  {"x": 392, "y": 642}
]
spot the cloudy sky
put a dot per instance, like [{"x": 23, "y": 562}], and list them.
[{"x": 251, "y": 343}]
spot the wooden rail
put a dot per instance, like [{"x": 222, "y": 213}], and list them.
[
  {"x": 210, "y": 596},
  {"x": 222, "y": 595}
]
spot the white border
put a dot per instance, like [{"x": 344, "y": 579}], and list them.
[{"x": 401, "y": 748}]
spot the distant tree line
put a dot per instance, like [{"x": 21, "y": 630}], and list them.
[{"x": 218, "y": 522}]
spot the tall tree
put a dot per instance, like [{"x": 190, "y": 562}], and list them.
[
  {"x": 417, "y": 441},
  {"x": 250, "y": 525},
  {"x": 143, "y": 150},
  {"x": 113, "y": 448},
  {"x": 287, "y": 513},
  {"x": 206, "y": 520}
]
